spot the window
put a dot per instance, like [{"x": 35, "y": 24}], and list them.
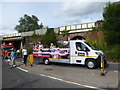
[
  {"x": 90, "y": 46},
  {"x": 80, "y": 46}
]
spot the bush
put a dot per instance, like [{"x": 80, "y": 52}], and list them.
[
  {"x": 49, "y": 37},
  {"x": 113, "y": 53},
  {"x": 29, "y": 50},
  {"x": 99, "y": 44},
  {"x": 36, "y": 38},
  {"x": 46, "y": 39}
]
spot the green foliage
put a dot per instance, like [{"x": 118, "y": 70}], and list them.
[
  {"x": 111, "y": 23},
  {"x": 99, "y": 44},
  {"x": 94, "y": 29},
  {"x": 113, "y": 53},
  {"x": 36, "y": 38},
  {"x": 29, "y": 50},
  {"x": 64, "y": 32},
  {"x": 111, "y": 15},
  {"x": 28, "y": 23},
  {"x": 47, "y": 38}
]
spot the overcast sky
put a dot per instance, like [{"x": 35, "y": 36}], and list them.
[{"x": 51, "y": 14}]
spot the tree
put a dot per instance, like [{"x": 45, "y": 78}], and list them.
[
  {"x": 28, "y": 23},
  {"x": 49, "y": 37},
  {"x": 41, "y": 25},
  {"x": 111, "y": 15},
  {"x": 111, "y": 24}
]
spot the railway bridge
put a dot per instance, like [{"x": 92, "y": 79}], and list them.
[{"x": 80, "y": 30}]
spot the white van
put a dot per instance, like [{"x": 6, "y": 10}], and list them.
[{"x": 79, "y": 52}]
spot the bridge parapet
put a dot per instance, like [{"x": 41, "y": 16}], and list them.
[
  {"x": 30, "y": 33},
  {"x": 73, "y": 29},
  {"x": 78, "y": 28},
  {"x": 23, "y": 34}
]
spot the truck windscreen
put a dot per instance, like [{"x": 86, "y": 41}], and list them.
[{"x": 90, "y": 46}]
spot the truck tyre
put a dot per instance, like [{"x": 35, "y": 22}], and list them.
[
  {"x": 46, "y": 61},
  {"x": 91, "y": 64}
]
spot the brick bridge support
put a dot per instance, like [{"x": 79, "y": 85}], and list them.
[{"x": 92, "y": 35}]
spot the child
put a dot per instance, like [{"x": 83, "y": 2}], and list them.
[
  {"x": 13, "y": 56},
  {"x": 31, "y": 59}
]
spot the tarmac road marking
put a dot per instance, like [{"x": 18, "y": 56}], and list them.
[
  {"x": 115, "y": 71},
  {"x": 22, "y": 69},
  {"x": 87, "y": 86},
  {"x": 42, "y": 74}
]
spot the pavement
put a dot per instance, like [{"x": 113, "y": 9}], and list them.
[{"x": 75, "y": 74}]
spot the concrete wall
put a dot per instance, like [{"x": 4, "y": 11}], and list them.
[
  {"x": 41, "y": 31},
  {"x": 23, "y": 34},
  {"x": 30, "y": 33}
]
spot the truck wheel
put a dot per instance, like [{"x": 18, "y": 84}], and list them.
[
  {"x": 46, "y": 61},
  {"x": 91, "y": 64}
]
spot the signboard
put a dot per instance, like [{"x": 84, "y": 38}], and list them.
[{"x": 81, "y": 54}]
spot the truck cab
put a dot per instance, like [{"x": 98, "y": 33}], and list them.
[{"x": 81, "y": 52}]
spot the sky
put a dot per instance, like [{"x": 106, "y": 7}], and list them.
[{"x": 52, "y": 14}]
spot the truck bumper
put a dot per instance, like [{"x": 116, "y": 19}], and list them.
[{"x": 105, "y": 61}]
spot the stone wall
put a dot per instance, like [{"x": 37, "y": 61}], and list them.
[{"x": 92, "y": 35}]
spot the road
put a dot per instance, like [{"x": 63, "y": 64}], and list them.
[
  {"x": 58, "y": 76},
  {"x": 15, "y": 78}
]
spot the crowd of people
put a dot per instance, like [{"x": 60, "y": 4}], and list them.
[
  {"x": 25, "y": 56},
  {"x": 55, "y": 52},
  {"x": 14, "y": 53},
  {"x": 40, "y": 46}
]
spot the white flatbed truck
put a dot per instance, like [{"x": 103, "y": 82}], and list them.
[{"x": 79, "y": 52}]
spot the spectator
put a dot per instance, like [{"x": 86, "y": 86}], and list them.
[
  {"x": 36, "y": 46},
  {"x": 40, "y": 45},
  {"x": 24, "y": 55},
  {"x": 13, "y": 56},
  {"x": 52, "y": 47},
  {"x": 31, "y": 59},
  {"x": 17, "y": 53}
]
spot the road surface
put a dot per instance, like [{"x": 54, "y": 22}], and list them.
[
  {"x": 15, "y": 78},
  {"x": 58, "y": 76}
]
